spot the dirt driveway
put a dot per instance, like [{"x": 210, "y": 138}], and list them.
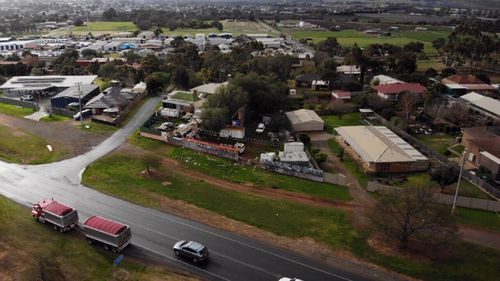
[{"x": 76, "y": 141}]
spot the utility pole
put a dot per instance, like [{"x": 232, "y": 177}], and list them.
[
  {"x": 79, "y": 88},
  {"x": 458, "y": 183}
]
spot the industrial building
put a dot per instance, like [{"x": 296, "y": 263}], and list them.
[
  {"x": 304, "y": 120},
  {"x": 73, "y": 95},
  {"x": 381, "y": 150},
  {"x": 43, "y": 85}
]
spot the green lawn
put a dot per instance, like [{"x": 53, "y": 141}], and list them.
[
  {"x": 350, "y": 164},
  {"x": 333, "y": 121},
  {"x": 119, "y": 175},
  {"x": 97, "y": 127},
  {"x": 234, "y": 27},
  {"x": 106, "y": 26},
  {"x": 33, "y": 251},
  {"x": 423, "y": 65},
  {"x": 16, "y": 111},
  {"x": 18, "y": 146},
  {"x": 228, "y": 170},
  {"x": 438, "y": 142},
  {"x": 54, "y": 118},
  {"x": 480, "y": 218},
  {"x": 349, "y": 37},
  {"x": 102, "y": 27}
]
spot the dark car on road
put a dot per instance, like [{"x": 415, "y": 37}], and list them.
[{"x": 191, "y": 250}]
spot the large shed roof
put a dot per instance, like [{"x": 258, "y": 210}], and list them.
[
  {"x": 303, "y": 116},
  {"x": 378, "y": 144}
]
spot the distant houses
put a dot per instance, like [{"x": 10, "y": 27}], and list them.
[{"x": 463, "y": 84}]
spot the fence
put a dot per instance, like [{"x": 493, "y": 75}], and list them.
[
  {"x": 482, "y": 184},
  {"x": 466, "y": 202},
  {"x": 63, "y": 112},
  {"x": 20, "y": 103},
  {"x": 294, "y": 170}
]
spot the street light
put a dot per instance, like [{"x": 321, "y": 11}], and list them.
[
  {"x": 458, "y": 183},
  {"x": 78, "y": 86}
]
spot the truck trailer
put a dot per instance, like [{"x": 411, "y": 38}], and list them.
[
  {"x": 62, "y": 217},
  {"x": 112, "y": 235}
]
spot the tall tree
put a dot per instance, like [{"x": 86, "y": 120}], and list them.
[{"x": 409, "y": 217}]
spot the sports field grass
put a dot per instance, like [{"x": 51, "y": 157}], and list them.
[
  {"x": 349, "y": 37},
  {"x": 234, "y": 27},
  {"x": 107, "y": 26},
  {"x": 103, "y": 27}
]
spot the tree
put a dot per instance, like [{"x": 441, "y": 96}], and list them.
[
  {"x": 457, "y": 114},
  {"x": 89, "y": 53},
  {"x": 357, "y": 57},
  {"x": 110, "y": 14},
  {"x": 483, "y": 77},
  {"x": 407, "y": 104},
  {"x": 444, "y": 175},
  {"x": 328, "y": 69},
  {"x": 411, "y": 217},
  {"x": 156, "y": 81},
  {"x": 416, "y": 47},
  {"x": 107, "y": 70},
  {"x": 305, "y": 139},
  {"x": 78, "y": 22},
  {"x": 151, "y": 161}
]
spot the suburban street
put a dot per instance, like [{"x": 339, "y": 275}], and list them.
[{"x": 233, "y": 257}]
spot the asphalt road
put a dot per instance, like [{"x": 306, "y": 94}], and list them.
[{"x": 232, "y": 257}]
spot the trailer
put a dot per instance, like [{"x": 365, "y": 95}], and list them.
[
  {"x": 112, "y": 235},
  {"x": 62, "y": 217}
]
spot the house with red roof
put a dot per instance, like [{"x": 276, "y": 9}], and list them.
[
  {"x": 391, "y": 92},
  {"x": 463, "y": 84}
]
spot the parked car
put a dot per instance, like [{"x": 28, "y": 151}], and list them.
[
  {"x": 260, "y": 128},
  {"x": 289, "y": 279},
  {"x": 166, "y": 126},
  {"x": 27, "y": 98},
  {"x": 84, "y": 113},
  {"x": 240, "y": 146},
  {"x": 191, "y": 250}
]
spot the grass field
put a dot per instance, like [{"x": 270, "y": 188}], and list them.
[
  {"x": 107, "y": 26},
  {"x": 13, "y": 110},
  {"x": 103, "y": 27},
  {"x": 33, "y": 251},
  {"x": 18, "y": 146},
  {"x": 438, "y": 142},
  {"x": 349, "y": 37},
  {"x": 230, "y": 171},
  {"x": 97, "y": 127},
  {"x": 119, "y": 175},
  {"x": 54, "y": 118},
  {"x": 333, "y": 121},
  {"x": 484, "y": 219},
  {"x": 423, "y": 65}
]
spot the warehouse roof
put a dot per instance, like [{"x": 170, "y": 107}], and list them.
[
  {"x": 104, "y": 225},
  {"x": 303, "y": 116},
  {"x": 48, "y": 81},
  {"x": 73, "y": 91},
  {"x": 379, "y": 144},
  {"x": 483, "y": 102}
]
